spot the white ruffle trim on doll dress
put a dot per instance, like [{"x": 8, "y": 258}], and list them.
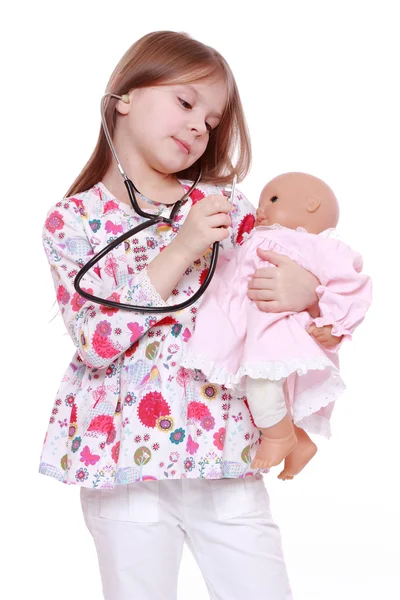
[
  {"x": 308, "y": 403},
  {"x": 273, "y": 370}
]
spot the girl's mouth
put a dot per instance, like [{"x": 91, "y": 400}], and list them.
[{"x": 183, "y": 146}]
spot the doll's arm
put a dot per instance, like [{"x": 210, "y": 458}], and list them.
[
  {"x": 323, "y": 335},
  {"x": 345, "y": 292}
]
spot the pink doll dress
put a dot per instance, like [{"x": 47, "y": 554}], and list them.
[{"x": 234, "y": 339}]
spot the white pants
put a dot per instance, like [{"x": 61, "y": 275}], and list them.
[
  {"x": 266, "y": 399},
  {"x": 139, "y": 531}
]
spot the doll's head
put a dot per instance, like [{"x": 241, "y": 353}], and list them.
[{"x": 298, "y": 200}]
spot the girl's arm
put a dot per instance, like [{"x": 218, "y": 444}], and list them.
[{"x": 99, "y": 333}]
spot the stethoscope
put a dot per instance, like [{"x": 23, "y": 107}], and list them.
[{"x": 152, "y": 220}]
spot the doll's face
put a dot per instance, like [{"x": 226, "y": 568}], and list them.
[
  {"x": 278, "y": 205},
  {"x": 298, "y": 200}
]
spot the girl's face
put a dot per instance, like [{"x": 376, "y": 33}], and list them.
[{"x": 169, "y": 125}]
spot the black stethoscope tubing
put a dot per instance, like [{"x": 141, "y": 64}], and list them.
[{"x": 153, "y": 220}]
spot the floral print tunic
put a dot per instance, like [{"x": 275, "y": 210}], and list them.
[{"x": 126, "y": 409}]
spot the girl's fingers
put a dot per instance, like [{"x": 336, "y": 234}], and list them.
[
  {"x": 271, "y": 306},
  {"x": 261, "y": 295},
  {"x": 273, "y": 257},
  {"x": 262, "y": 283},
  {"x": 213, "y": 205},
  {"x": 220, "y": 220}
]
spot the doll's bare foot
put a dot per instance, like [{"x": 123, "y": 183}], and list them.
[
  {"x": 276, "y": 443},
  {"x": 301, "y": 455}
]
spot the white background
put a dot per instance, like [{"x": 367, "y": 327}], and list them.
[{"x": 319, "y": 84}]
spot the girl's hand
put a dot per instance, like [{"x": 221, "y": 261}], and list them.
[
  {"x": 207, "y": 222},
  {"x": 286, "y": 287},
  {"x": 323, "y": 335}
]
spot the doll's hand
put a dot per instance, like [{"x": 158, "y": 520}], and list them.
[
  {"x": 288, "y": 287},
  {"x": 323, "y": 335}
]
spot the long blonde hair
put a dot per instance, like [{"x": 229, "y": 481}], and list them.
[{"x": 167, "y": 57}]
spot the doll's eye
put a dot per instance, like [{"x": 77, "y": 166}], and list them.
[{"x": 274, "y": 198}]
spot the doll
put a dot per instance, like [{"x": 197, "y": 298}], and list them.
[{"x": 286, "y": 364}]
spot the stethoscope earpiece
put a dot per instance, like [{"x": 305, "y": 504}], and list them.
[{"x": 125, "y": 98}]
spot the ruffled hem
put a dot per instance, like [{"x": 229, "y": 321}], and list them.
[
  {"x": 316, "y": 425},
  {"x": 272, "y": 370},
  {"x": 307, "y": 404},
  {"x": 148, "y": 292}
]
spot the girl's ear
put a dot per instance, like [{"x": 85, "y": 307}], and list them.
[{"x": 313, "y": 203}]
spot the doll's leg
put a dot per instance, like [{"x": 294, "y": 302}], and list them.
[
  {"x": 267, "y": 404},
  {"x": 300, "y": 456}
]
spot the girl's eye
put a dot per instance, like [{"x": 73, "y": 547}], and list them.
[
  {"x": 189, "y": 107},
  {"x": 184, "y": 103},
  {"x": 274, "y": 198}
]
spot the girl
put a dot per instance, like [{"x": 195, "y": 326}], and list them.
[{"x": 162, "y": 456}]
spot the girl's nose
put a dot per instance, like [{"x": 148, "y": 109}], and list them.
[{"x": 198, "y": 125}]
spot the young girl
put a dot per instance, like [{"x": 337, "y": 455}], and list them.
[{"x": 161, "y": 455}]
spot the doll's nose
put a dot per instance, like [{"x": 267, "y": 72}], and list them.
[{"x": 260, "y": 213}]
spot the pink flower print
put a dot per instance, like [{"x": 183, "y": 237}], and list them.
[
  {"x": 246, "y": 225},
  {"x": 173, "y": 349},
  {"x": 54, "y": 221},
  {"x": 63, "y": 295},
  {"x": 196, "y": 195},
  {"x": 174, "y": 457},
  {"x": 131, "y": 351},
  {"x": 189, "y": 464},
  {"x": 151, "y": 407},
  {"x": 101, "y": 344},
  {"x": 108, "y": 310},
  {"x": 136, "y": 330},
  {"x": 207, "y": 423},
  {"x": 186, "y": 335},
  {"x": 112, "y": 434},
  {"x": 109, "y": 206},
  {"x": 101, "y": 424},
  {"x": 219, "y": 438},
  {"x": 113, "y": 228},
  {"x": 104, "y": 328},
  {"x": 115, "y": 452},
  {"x": 78, "y": 203},
  {"x": 78, "y": 301},
  {"x": 197, "y": 410},
  {"x": 191, "y": 445}
]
